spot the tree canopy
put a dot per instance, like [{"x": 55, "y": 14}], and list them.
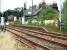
[
  {"x": 49, "y": 13},
  {"x": 15, "y": 12},
  {"x": 0, "y": 14}
]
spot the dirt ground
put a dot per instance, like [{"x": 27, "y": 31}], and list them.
[{"x": 6, "y": 42}]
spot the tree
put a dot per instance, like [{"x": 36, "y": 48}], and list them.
[
  {"x": 0, "y": 14},
  {"x": 18, "y": 12},
  {"x": 54, "y": 6},
  {"x": 48, "y": 13},
  {"x": 64, "y": 15},
  {"x": 41, "y": 5},
  {"x": 21, "y": 12},
  {"x": 8, "y": 12}
]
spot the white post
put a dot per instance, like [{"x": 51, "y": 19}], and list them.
[
  {"x": 15, "y": 18},
  {"x": 2, "y": 21},
  {"x": 60, "y": 16},
  {"x": 23, "y": 20}
]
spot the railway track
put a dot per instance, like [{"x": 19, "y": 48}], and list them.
[
  {"x": 41, "y": 34},
  {"x": 27, "y": 43},
  {"x": 42, "y": 30},
  {"x": 60, "y": 36},
  {"x": 19, "y": 35},
  {"x": 41, "y": 39}
]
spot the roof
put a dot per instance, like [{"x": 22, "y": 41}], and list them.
[{"x": 28, "y": 12}]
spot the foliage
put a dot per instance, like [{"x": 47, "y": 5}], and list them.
[
  {"x": 64, "y": 15},
  {"x": 52, "y": 27},
  {"x": 11, "y": 12},
  {"x": 17, "y": 22},
  {"x": 7, "y": 13},
  {"x": 0, "y": 14},
  {"x": 15, "y": 12},
  {"x": 49, "y": 13},
  {"x": 42, "y": 4}
]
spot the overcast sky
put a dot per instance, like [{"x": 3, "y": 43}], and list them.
[{"x": 11, "y": 4}]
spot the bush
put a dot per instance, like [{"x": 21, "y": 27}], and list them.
[{"x": 52, "y": 27}]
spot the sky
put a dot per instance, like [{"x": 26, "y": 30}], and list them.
[{"x": 11, "y": 4}]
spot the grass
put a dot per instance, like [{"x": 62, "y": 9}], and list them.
[
  {"x": 49, "y": 26},
  {"x": 52, "y": 27}
]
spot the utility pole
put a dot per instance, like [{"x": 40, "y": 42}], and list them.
[
  {"x": 60, "y": 17},
  {"x": 0, "y": 5},
  {"x": 32, "y": 8},
  {"x": 25, "y": 5},
  {"x": 43, "y": 0}
]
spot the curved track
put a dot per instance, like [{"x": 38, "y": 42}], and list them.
[{"x": 40, "y": 38}]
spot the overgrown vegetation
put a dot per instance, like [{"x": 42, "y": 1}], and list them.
[
  {"x": 52, "y": 27},
  {"x": 17, "y": 23},
  {"x": 47, "y": 13},
  {"x": 64, "y": 16},
  {"x": 0, "y": 14}
]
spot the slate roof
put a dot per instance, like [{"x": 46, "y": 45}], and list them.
[{"x": 28, "y": 12}]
